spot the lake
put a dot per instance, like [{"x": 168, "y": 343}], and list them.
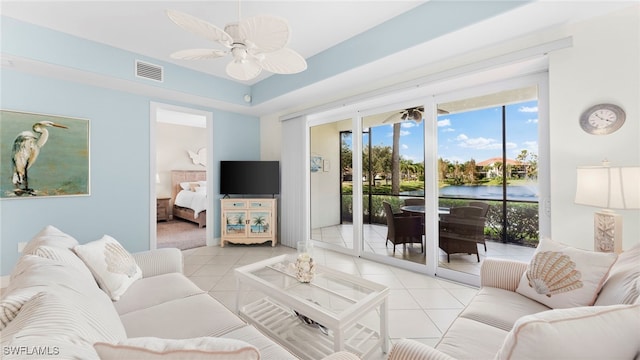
[{"x": 488, "y": 192}]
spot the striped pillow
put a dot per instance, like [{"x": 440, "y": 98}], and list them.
[
  {"x": 64, "y": 256},
  {"x": 71, "y": 320},
  {"x": 205, "y": 348},
  {"x": 50, "y": 236},
  {"x": 11, "y": 305}
]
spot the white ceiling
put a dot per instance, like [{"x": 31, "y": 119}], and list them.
[{"x": 142, "y": 27}]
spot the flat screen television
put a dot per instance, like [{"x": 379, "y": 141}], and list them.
[{"x": 249, "y": 177}]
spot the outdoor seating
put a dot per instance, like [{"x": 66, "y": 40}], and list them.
[
  {"x": 402, "y": 229},
  {"x": 461, "y": 230},
  {"x": 485, "y": 210}
]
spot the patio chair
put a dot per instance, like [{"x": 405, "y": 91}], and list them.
[
  {"x": 402, "y": 229},
  {"x": 415, "y": 202},
  {"x": 485, "y": 210},
  {"x": 461, "y": 230}
]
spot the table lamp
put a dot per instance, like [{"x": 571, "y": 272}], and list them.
[{"x": 608, "y": 188}]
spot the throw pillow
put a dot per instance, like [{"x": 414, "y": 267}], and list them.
[
  {"x": 205, "y": 348},
  {"x": 64, "y": 256},
  {"x": 50, "y": 236},
  {"x": 65, "y": 323},
  {"x": 576, "y": 333},
  {"x": 623, "y": 284},
  {"x": 112, "y": 266},
  {"x": 560, "y": 276}
]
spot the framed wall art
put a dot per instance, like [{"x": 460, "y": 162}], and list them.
[{"x": 43, "y": 155}]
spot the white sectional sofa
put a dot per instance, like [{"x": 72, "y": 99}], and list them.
[
  {"x": 56, "y": 307},
  {"x": 503, "y": 322}
]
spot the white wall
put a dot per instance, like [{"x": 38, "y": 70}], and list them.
[
  {"x": 601, "y": 66},
  {"x": 172, "y": 144}
]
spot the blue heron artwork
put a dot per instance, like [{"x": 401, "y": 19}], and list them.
[{"x": 43, "y": 155}]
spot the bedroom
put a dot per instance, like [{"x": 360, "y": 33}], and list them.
[{"x": 181, "y": 200}]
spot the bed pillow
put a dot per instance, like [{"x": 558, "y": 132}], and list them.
[
  {"x": 193, "y": 186},
  {"x": 205, "y": 348},
  {"x": 560, "y": 276},
  {"x": 112, "y": 266},
  {"x": 185, "y": 185}
]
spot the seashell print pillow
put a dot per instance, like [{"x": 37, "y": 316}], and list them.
[
  {"x": 560, "y": 276},
  {"x": 112, "y": 266}
]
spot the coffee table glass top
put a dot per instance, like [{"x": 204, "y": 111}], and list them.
[{"x": 332, "y": 291}]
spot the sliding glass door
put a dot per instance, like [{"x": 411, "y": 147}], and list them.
[{"x": 488, "y": 183}]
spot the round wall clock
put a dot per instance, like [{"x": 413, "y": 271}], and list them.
[{"x": 602, "y": 119}]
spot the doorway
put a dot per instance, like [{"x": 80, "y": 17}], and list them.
[{"x": 178, "y": 145}]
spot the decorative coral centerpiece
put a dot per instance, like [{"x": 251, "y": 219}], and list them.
[{"x": 305, "y": 266}]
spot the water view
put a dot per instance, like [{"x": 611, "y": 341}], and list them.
[{"x": 486, "y": 192}]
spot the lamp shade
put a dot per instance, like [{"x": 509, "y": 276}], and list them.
[{"x": 608, "y": 187}]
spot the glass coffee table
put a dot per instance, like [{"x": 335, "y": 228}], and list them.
[{"x": 318, "y": 318}]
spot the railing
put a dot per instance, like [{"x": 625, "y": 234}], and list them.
[{"x": 522, "y": 216}]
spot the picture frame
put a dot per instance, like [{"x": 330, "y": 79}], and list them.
[
  {"x": 316, "y": 163},
  {"x": 43, "y": 155}
]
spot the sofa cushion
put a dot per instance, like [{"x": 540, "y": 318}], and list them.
[
  {"x": 576, "y": 333},
  {"x": 70, "y": 319},
  {"x": 470, "y": 339},
  {"x": 193, "y": 316},
  {"x": 623, "y": 284},
  {"x": 202, "y": 348},
  {"x": 112, "y": 266},
  {"x": 511, "y": 305},
  {"x": 151, "y": 291},
  {"x": 269, "y": 350},
  {"x": 561, "y": 276},
  {"x": 50, "y": 236}
]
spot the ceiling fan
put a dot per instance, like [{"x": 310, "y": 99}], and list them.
[
  {"x": 414, "y": 113},
  {"x": 256, "y": 43}
]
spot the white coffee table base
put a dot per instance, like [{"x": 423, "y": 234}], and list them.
[{"x": 306, "y": 341}]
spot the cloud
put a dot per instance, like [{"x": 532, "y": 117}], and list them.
[
  {"x": 402, "y": 133},
  {"x": 479, "y": 143},
  {"x": 528, "y": 109},
  {"x": 532, "y": 121},
  {"x": 448, "y": 130},
  {"x": 444, "y": 122},
  {"x": 408, "y": 124},
  {"x": 404, "y": 146}
]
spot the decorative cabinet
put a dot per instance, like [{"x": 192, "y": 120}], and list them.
[
  {"x": 162, "y": 209},
  {"x": 248, "y": 221}
]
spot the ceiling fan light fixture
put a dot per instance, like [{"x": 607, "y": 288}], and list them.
[{"x": 256, "y": 43}]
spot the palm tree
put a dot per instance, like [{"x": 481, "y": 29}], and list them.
[
  {"x": 259, "y": 221},
  {"x": 395, "y": 160}
]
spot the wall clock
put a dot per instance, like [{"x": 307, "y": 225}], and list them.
[{"x": 602, "y": 119}]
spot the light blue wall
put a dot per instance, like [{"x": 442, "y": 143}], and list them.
[{"x": 119, "y": 142}]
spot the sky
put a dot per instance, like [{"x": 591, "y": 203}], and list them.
[{"x": 474, "y": 134}]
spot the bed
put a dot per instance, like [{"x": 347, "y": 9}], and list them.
[{"x": 189, "y": 195}]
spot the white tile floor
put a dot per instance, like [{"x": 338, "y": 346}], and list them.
[
  {"x": 420, "y": 307},
  {"x": 375, "y": 242}
]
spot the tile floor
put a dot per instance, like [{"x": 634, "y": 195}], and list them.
[
  {"x": 375, "y": 242},
  {"x": 420, "y": 307}
]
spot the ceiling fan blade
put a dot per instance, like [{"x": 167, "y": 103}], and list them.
[
  {"x": 283, "y": 61},
  {"x": 200, "y": 27},
  {"x": 246, "y": 69},
  {"x": 198, "y": 54},
  {"x": 266, "y": 33}
]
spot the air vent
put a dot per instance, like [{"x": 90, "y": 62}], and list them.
[{"x": 148, "y": 71}]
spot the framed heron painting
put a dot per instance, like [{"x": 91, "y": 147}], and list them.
[{"x": 43, "y": 155}]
